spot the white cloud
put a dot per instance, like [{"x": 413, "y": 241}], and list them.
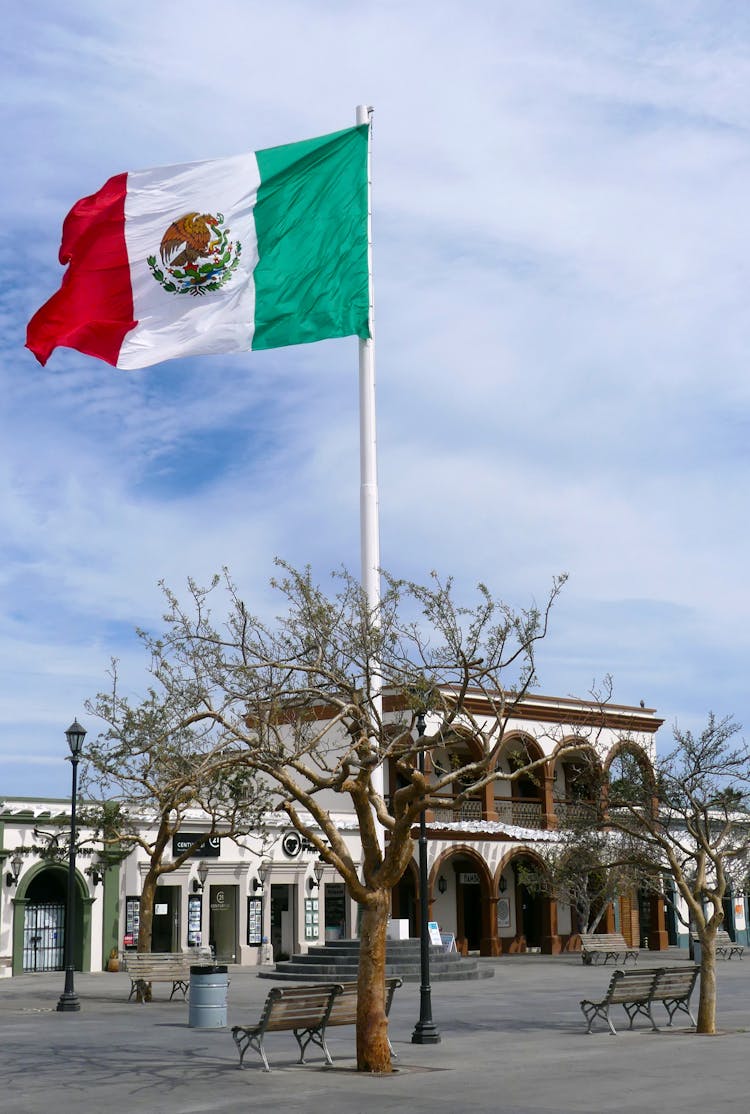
[{"x": 561, "y": 266}]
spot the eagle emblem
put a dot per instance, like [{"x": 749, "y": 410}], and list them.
[{"x": 196, "y": 255}]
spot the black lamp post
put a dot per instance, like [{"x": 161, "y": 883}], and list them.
[
  {"x": 68, "y": 1002},
  {"x": 425, "y": 1031}
]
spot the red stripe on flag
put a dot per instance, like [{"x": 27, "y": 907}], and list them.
[{"x": 93, "y": 309}]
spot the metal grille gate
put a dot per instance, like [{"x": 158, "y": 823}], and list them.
[{"x": 43, "y": 937}]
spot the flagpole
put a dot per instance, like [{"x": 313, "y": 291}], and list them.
[{"x": 368, "y": 467}]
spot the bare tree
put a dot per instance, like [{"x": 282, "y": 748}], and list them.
[
  {"x": 300, "y": 702},
  {"x": 694, "y": 821},
  {"x": 156, "y": 762},
  {"x": 583, "y": 869}
]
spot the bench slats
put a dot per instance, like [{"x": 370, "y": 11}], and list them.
[
  {"x": 726, "y": 947},
  {"x": 636, "y": 991},
  {"x": 307, "y": 1011},
  {"x": 169, "y": 967},
  {"x": 606, "y": 945}
]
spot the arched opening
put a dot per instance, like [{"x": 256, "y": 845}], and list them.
[
  {"x": 457, "y": 801},
  {"x": 40, "y": 920},
  {"x": 629, "y": 777},
  {"x": 577, "y": 785},
  {"x": 629, "y": 784},
  {"x": 460, "y": 899},
  {"x": 519, "y": 799},
  {"x": 526, "y": 914}
]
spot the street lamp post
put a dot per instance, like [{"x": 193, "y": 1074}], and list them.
[
  {"x": 425, "y": 1031},
  {"x": 68, "y": 1002}
]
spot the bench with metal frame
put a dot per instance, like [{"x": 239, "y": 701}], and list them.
[
  {"x": 726, "y": 947},
  {"x": 306, "y": 1011},
  {"x": 606, "y": 946},
  {"x": 170, "y": 967},
  {"x": 636, "y": 991}
]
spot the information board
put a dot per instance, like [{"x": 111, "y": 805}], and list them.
[
  {"x": 434, "y": 930},
  {"x": 255, "y": 921}
]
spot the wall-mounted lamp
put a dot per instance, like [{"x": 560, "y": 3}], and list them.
[
  {"x": 502, "y": 884},
  {"x": 96, "y": 871},
  {"x": 314, "y": 883},
  {"x": 263, "y": 871},
  {"x": 12, "y": 876},
  {"x": 442, "y": 883},
  {"x": 200, "y": 881}
]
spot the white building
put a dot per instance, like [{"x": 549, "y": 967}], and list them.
[{"x": 262, "y": 890}]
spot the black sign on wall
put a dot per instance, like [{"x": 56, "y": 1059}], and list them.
[{"x": 208, "y": 849}]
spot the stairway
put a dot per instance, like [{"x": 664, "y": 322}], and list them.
[{"x": 338, "y": 960}]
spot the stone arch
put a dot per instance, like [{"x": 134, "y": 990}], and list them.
[
  {"x": 31, "y": 890},
  {"x": 463, "y": 745},
  {"x": 525, "y": 800},
  {"x": 532, "y": 917},
  {"x": 630, "y": 748},
  {"x": 577, "y": 776},
  {"x": 640, "y": 914},
  {"x": 469, "y": 905}
]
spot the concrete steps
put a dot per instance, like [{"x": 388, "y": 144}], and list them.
[{"x": 338, "y": 960}]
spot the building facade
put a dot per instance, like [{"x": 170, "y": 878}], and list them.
[{"x": 264, "y": 896}]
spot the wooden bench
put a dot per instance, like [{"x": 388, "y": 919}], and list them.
[
  {"x": 636, "y": 991},
  {"x": 307, "y": 1011},
  {"x": 170, "y": 967},
  {"x": 605, "y": 946},
  {"x": 726, "y": 948}
]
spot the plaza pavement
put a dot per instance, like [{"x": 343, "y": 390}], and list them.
[{"x": 515, "y": 1044}]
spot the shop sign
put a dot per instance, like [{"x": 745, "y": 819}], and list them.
[
  {"x": 469, "y": 878},
  {"x": 292, "y": 844},
  {"x": 208, "y": 849},
  {"x": 219, "y": 903}
]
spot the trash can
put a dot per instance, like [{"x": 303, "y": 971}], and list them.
[{"x": 208, "y": 997}]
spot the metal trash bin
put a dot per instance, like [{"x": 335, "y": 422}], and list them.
[{"x": 208, "y": 997}]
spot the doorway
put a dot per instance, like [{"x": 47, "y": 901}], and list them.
[
  {"x": 531, "y": 916},
  {"x": 44, "y": 917},
  {"x": 282, "y": 920},
  {"x": 222, "y": 922},
  {"x": 404, "y": 901},
  {"x": 165, "y": 936},
  {"x": 469, "y": 900}
]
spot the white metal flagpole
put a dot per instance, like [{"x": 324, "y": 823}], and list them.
[{"x": 369, "y": 526}]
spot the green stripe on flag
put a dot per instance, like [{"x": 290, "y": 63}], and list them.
[{"x": 311, "y": 281}]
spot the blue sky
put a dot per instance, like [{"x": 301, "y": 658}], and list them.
[{"x": 561, "y": 277}]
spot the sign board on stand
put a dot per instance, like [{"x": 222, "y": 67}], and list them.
[{"x": 434, "y": 930}]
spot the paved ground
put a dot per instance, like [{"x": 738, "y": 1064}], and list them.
[{"x": 513, "y": 1044}]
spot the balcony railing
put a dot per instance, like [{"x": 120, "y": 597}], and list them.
[
  {"x": 575, "y": 812},
  {"x": 524, "y": 814},
  {"x": 467, "y": 810}
]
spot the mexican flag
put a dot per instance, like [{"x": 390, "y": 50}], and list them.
[{"x": 255, "y": 251}]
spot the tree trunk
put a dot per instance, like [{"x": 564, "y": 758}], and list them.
[
  {"x": 373, "y": 1053},
  {"x": 707, "y": 1000},
  {"x": 145, "y": 929}
]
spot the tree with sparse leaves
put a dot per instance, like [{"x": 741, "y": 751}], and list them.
[
  {"x": 300, "y": 703},
  {"x": 692, "y": 820},
  {"x": 155, "y": 763},
  {"x": 582, "y": 870}
]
